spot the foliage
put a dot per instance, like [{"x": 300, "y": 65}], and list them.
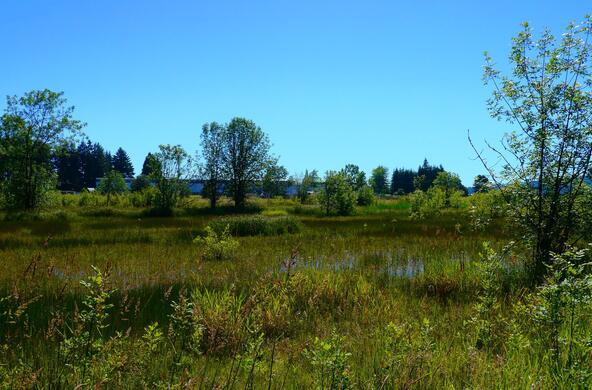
[
  {"x": 485, "y": 207},
  {"x": 34, "y": 128},
  {"x": 449, "y": 183},
  {"x": 122, "y": 163},
  {"x": 481, "y": 184},
  {"x": 212, "y": 169},
  {"x": 365, "y": 196},
  {"x": 379, "y": 180},
  {"x": 140, "y": 183},
  {"x": 558, "y": 315},
  {"x": 275, "y": 180},
  {"x": 426, "y": 174},
  {"x": 172, "y": 167},
  {"x": 546, "y": 159},
  {"x": 402, "y": 181},
  {"x": 245, "y": 155},
  {"x": 330, "y": 361},
  {"x": 337, "y": 196},
  {"x": 256, "y": 225},
  {"x": 488, "y": 324},
  {"x": 405, "y": 354},
  {"x": 150, "y": 165},
  {"x": 112, "y": 184},
  {"x": 308, "y": 184},
  {"x": 217, "y": 245},
  {"x": 355, "y": 177}
]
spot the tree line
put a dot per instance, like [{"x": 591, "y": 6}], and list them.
[{"x": 43, "y": 148}]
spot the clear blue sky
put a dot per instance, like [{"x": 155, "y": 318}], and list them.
[{"x": 331, "y": 82}]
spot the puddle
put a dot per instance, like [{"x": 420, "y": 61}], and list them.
[{"x": 393, "y": 263}]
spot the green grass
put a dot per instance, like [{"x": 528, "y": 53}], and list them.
[{"x": 352, "y": 276}]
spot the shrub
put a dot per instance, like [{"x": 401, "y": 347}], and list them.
[
  {"x": 366, "y": 196},
  {"x": 330, "y": 361},
  {"x": 217, "y": 246},
  {"x": 257, "y": 225},
  {"x": 337, "y": 195}
]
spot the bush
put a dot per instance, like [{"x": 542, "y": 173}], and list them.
[
  {"x": 337, "y": 195},
  {"x": 217, "y": 246},
  {"x": 257, "y": 225},
  {"x": 366, "y": 196}
]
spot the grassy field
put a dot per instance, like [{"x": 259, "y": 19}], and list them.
[{"x": 374, "y": 300}]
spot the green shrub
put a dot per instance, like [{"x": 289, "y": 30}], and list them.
[
  {"x": 217, "y": 246},
  {"x": 257, "y": 225},
  {"x": 330, "y": 362},
  {"x": 366, "y": 196}
]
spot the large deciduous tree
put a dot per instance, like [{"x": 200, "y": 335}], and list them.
[
  {"x": 245, "y": 156},
  {"x": 212, "y": 168},
  {"x": 172, "y": 168},
  {"x": 355, "y": 177},
  {"x": 547, "y": 99},
  {"x": 275, "y": 179},
  {"x": 34, "y": 128},
  {"x": 379, "y": 180}
]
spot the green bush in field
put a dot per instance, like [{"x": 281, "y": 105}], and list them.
[
  {"x": 485, "y": 207},
  {"x": 330, "y": 362},
  {"x": 217, "y": 246},
  {"x": 431, "y": 203},
  {"x": 257, "y": 225},
  {"x": 366, "y": 196},
  {"x": 337, "y": 195}
]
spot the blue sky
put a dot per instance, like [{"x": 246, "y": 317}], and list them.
[{"x": 331, "y": 82}]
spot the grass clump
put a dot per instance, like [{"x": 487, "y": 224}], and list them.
[{"x": 257, "y": 225}]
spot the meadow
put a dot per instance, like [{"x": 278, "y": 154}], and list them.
[{"x": 372, "y": 300}]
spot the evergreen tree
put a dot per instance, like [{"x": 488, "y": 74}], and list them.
[
  {"x": 429, "y": 173},
  {"x": 122, "y": 163},
  {"x": 402, "y": 181},
  {"x": 68, "y": 166},
  {"x": 149, "y": 164}
]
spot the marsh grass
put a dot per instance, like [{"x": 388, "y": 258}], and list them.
[{"x": 374, "y": 300}]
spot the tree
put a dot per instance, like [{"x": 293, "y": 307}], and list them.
[
  {"x": 245, "y": 156},
  {"x": 355, "y": 177},
  {"x": 140, "y": 183},
  {"x": 379, "y": 180},
  {"x": 481, "y": 184},
  {"x": 448, "y": 182},
  {"x": 337, "y": 196},
  {"x": 122, "y": 163},
  {"x": 212, "y": 168},
  {"x": 33, "y": 128},
  {"x": 275, "y": 179},
  {"x": 172, "y": 168},
  {"x": 68, "y": 165},
  {"x": 429, "y": 173},
  {"x": 402, "y": 181},
  {"x": 307, "y": 184},
  {"x": 548, "y": 99},
  {"x": 112, "y": 184},
  {"x": 149, "y": 163}
]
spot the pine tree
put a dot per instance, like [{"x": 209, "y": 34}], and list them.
[
  {"x": 122, "y": 163},
  {"x": 149, "y": 164}
]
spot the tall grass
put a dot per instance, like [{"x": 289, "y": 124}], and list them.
[{"x": 375, "y": 300}]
